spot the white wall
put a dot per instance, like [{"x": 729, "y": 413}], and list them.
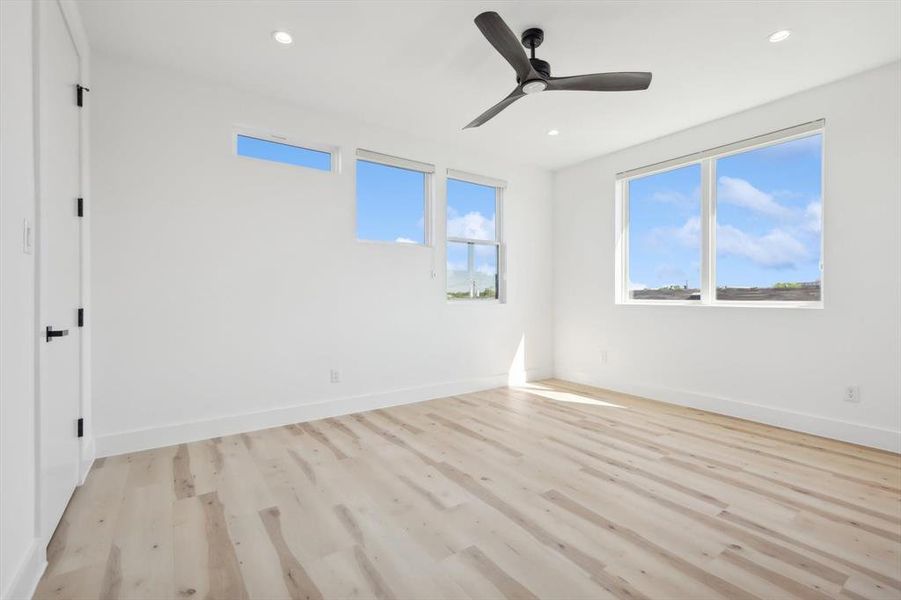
[
  {"x": 225, "y": 289},
  {"x": 19, "y": 555},
  {"x": 782, "y": 366}
]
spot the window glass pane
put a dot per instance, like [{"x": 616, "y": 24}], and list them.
[
  {"x": 471, "y": 271},
  {"x": 390, "y": 203},
  {"x": 471, "y": 210},
  {"x": 485, "y": 270},
  {"x": 665, "y": 235},
  {"x": 459, "y": 285},
  {"x": 769, "y": 217},
  {"x": 284, "y": 153}
]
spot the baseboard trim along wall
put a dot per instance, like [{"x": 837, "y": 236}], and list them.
[
  {"x": 179, "y": 433},
  {"x": 25, "y": 581},
  {"x": 87, "y": 460},
  {"x": 856, "y": 433}
]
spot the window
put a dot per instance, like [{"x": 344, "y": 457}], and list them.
[
  {"x": 737, "y": 225},
  {"x": 279, "y": 149},
  {"x": 769, "y": 222},
  {"x": 474, "y": 252},
  {"x": 392, "y": 199},
  {"x": 664, "y": 240}
]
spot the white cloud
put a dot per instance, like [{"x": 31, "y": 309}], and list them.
[
  {"x": 404, "y": 240},
  {"x": 637, "y": 286},
  {"x": 689, "y": 234},
  {"x": 739, "y": 192},
  {"x": 813, "y": 218},
  {"x": 677, "y": 198},
  {"x": 777, "y": 249},
  {"x": 472, "y": 225},
  {"x": 670, "y": 273}
]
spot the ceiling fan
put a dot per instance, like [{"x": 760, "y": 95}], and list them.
[{"x": 533, "y": 75}]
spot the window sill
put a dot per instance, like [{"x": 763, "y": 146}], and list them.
[
  {"x": 724, "y": 304},
  {"x": 392, "y": 243},
  {"x": 473, "y": 302}
]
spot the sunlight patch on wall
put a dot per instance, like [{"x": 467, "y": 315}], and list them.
[{"x": 517, "y": 373}]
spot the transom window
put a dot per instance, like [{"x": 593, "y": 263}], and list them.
[
  {"x": 281, "y": 149},
  {"x": 737, "y": 225},
  {"x": 474, "y": 249}
]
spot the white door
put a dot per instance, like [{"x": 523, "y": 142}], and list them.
[{"x": 59, "y": 180}]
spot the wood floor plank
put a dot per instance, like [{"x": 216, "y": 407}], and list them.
[
  {"x": 297, "y": 581},
  {"x": 547, "y": 490}
]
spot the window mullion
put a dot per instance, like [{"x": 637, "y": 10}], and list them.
[
  {"x": 471, "y": 268},
  {"x": 708, "y": 231}
]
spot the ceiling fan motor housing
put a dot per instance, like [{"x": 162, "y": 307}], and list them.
[
  {"x": 542, "y": 66},
  {"x": 531, "y": 39}
]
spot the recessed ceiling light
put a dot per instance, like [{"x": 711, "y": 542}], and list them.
[
  {"x": 553, "y": 132},
  {"x": 780, "y": 36},
  {"x": 282, "y": 37}
]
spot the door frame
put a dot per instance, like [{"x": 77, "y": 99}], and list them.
[{"x": 72, "y": 18}]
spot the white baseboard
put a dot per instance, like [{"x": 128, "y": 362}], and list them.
[
  {"x": 179, "y": 433},
  {"x": 29, "y": 574},
  {"x": 856, "y": 433},
  {"x": 89, "y": 452}
]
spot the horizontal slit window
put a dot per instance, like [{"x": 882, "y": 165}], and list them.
[{"x": 283, "y": 152}]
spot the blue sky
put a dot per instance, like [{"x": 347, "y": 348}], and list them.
[
  {"x": 471, "y": 214},
  {"x": 768, "y": 220},
  {"x": 390, "y": 203},
  {"x": 470, "y": 210},
  {"x": 284, "y": 153}
]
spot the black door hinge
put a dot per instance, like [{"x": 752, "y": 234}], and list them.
[
  {"x": 79, "y": 211},
  {"x": 79, "y": 93},
  {"x": 81, "y": 317},
  {"x": 80, "y": 427}
]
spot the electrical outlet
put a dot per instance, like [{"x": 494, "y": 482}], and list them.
[
  {"x": 603, "y": 357},
  {"x": 334, "y": 376},
  {"x": 852, "y": 394}
]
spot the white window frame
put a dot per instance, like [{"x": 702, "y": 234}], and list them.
[
  {"x": 279, "y": 138},
  {"x": 428, "y": 192},
  {"x": 499, "y": 186},
  {"x": 707, "y": 159}
]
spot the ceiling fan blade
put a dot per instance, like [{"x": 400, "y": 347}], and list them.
[
  {"x": 494, "y": 110},
  {"x": 504, "y": 41},
  {"x": 602, "y": 82}
]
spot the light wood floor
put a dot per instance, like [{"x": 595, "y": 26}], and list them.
[{"x": 553, "y": 491}]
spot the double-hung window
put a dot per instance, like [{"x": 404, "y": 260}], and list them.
[
  {"x": 475, "y": 254},
  {"x": 736, "y": 225},
  {"x": 393, "y": 199}
]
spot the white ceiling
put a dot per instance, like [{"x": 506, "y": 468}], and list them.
[{"x": 424, "y": 68}]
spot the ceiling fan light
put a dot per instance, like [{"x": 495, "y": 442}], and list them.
[
  {"x": 534, "y": 86},
  {"x": 780, "y": 36}
]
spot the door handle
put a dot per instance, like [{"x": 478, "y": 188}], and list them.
[{"x": 58, "y": 333}]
